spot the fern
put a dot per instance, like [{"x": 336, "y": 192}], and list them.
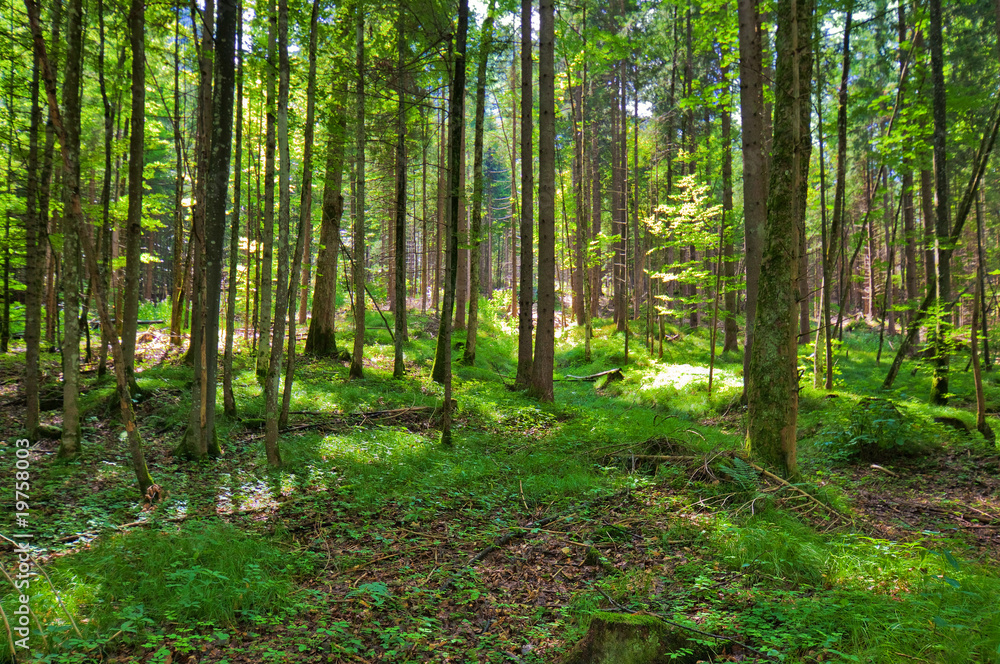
[{"x": 742, "y": 474}]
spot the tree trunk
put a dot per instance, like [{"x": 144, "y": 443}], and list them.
[
  {"x": 72, "y": 222},
  {"x": 357, "y": 357},
  {"x": 228, "y": 399},
  {"x": 837, "y": 225},
  {"x": 755, "y": 161},
  {"x": 177, "y": 263},
  {"x": 730, "y": 342},
  {"x": 525, "y": 318},
  {"x": 399, "y": 240},
  {"x": 266, "y": 281},
  {"x": 305, "y": 219},
  {"x": 133, "y": 233},
  {"x": 456, "y": 120},
  {"x": 543, "y": 362},
  {"x": 35, "y": 238},
  {"x": 201, "y": 438},
  {"x": 469, "y": 356},
  {"x": 274, "y": 366},
  {"x": 942, "y": 212},
  {"x": 322, "y": 339},
  {"x": 773, "y": 389}
]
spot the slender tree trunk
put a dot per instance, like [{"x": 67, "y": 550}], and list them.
[
  {"x": 35, "y": 238},
  {"x": 177, "y": 264},
  {"x": 485, "y": 49},
  {"x": 274, "y": 366},
  {"x": 525, "y": 286},
  {"x": 730, "y": 341},
  {"x": 543, "y": 362},
  {"x": 456, "y": 120},
  {"x": 942, "y": 212},
  {"x": 229, "y": 400},
  {"x": 357, "y": 357},
  {"x": 981, "y": 279},
  {"x": 322, "y": 339},
  {"x": 305, "y": 220},
  {"x": 399, "y": 240},
  {"x": 837, "y": 226},
  {"x": 773, "y": 389},
  {"x": 201, "y": 438},
  {"x": 267, "y": 261},
  {"x": 133, "y": 233},
  {"x": 977, "y": 373},
  {"x": 755, "y": 162},
  {"x": 72, "y": 222}
]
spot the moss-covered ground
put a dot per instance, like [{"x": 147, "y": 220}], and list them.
[{"x": 627, "y": 495}]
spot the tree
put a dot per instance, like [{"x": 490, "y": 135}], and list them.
[
  {"x": 399, "y": 238},
  {"x": 469, "y": 357},
  {"x": 229, "y": 401},
  {"x": 525, "y": 321},
  {"x": 201, "y": 439},
  {"x": 357, "y": 357},
  {"x": 456, "y": 117},
  {"x": 322, "y": 339},
  {"x": 542, "y": 363},
  {"x": 271, "y": 382},
  {"x": 755, "y": 163},
  {"x": 772, "y": 393},
  {"x": 133, "y": 234},
  {"x": 72, "y": 221},
  {"x": 266, "y": 286}
]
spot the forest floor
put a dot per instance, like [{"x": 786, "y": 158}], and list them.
[{"x": 374, "y": 543}]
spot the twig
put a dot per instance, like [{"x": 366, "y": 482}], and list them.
[
  {"x": 875, "y": 466},
  {"x": 10, "y": 634},
  {"x": 659, "y": 617}
]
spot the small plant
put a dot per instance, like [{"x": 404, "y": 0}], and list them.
[{"x": 876, "y": 430}]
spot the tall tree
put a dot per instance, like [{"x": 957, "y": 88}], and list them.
[
  {"x": 357, "y": 357},
  {"x": 469, "y": 357},
  {"x": 228, "y": 399},
  {"x": 305, "y": 216},
  {"x": 399, "y": 235},
  {"x": 271, "y": 382},
  {"x": 772, "y": 394},
  {"x": 755, "y": 162},
  {"x": 267, "y": 251},
  {"x": 133, "y": 228},
  {"x": 322, "y": 338},
  {"x": 543, "y": 362},
  {"x": 201, "y": 439},
  {"x": 456, "y": 118},
  {"x": 525, "y": 321},
  {"x": 34, "y": 264},
  {"x": 72, "y": 222},
  {"x": 942, "y": 206}
]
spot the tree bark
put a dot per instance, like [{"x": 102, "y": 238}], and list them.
[
  {"x": 399, "y": 239},
  {"x": 456, "y": 120},
  {"x": 267, "y": 250},
  {"x": 228, "y": 399},
  {"x": 525, "y": 319},
  {"x": 322, "y": 339},
  {"x": 357, "y": 357},
  {"x": 543, "y": 362},
  {"x": 942, "y": 211},
  {"x": 274, "y": 366},
  {"x": 469, "y": 356},
  {"x": 72, "y": 222},
  {"x": 133, "y": 234},
  {"x": 755, "y": 161},
  {"x": 773, "y": 389},
  {"x": 35, "y": 237}
]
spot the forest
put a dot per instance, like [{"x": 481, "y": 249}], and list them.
[{"x": 611, "y": 332}]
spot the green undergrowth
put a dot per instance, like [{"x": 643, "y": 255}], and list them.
[{"x": 744, "y": 568}]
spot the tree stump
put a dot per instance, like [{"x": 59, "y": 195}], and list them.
[{"x": 628, "y": 638}]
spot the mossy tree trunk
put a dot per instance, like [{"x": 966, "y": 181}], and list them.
[{"x": 773, "y": 381}]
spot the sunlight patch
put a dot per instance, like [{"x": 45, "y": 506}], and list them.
[{"x": 680, "y": 376}]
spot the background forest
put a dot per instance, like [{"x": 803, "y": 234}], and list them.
[{"x": 423, "y": 332}]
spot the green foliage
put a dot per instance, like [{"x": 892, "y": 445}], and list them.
[{"x": 876, "y": 429}]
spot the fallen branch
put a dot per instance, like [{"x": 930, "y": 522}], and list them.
[{"x": 612, "y": 374}]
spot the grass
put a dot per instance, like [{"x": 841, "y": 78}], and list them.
[{"x": 347, "y": 489}]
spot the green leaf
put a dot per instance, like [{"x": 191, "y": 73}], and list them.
[{"x": 951, "y": 560}]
